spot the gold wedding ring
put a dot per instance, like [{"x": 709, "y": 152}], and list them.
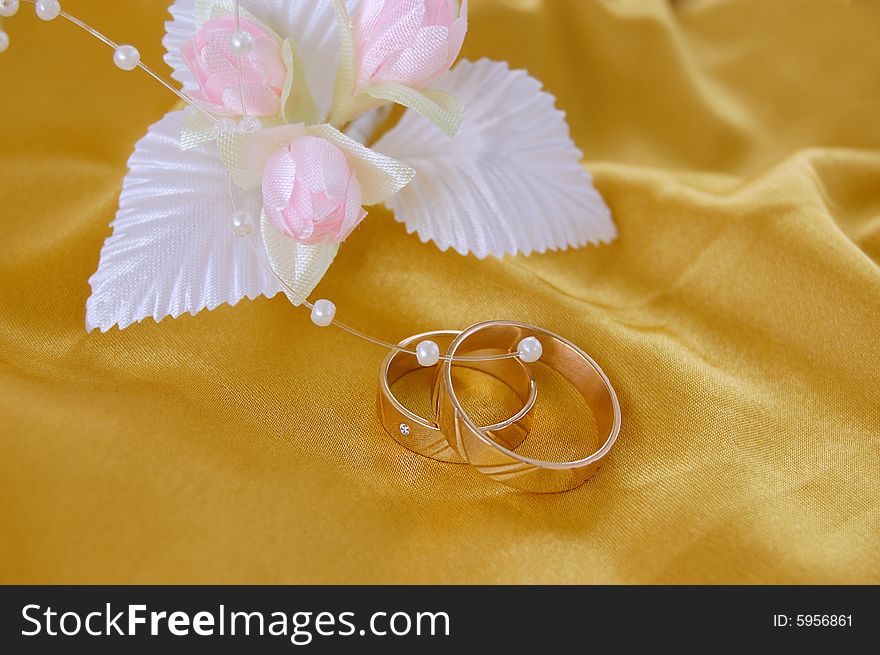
[
  {"x": 421, "y": 435},
  {"x": 498, "y": 460}
]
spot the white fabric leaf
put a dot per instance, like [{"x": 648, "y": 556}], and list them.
[
  {"x": 311, "y": 24},
  {"x": 180, "y": 29},
  {"x": 172, "y": 249},
  {"x": 509, "y": 182}
]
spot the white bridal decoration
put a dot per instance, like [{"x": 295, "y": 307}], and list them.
[
  {"x": 481, "y": 162},
  {"x": 275, "y": 144}
]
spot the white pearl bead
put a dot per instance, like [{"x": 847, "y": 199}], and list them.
[
  {"x": 126, "y": 57},
  {"x": 241, "y": 223},
  {"x": 48, "y": 9},
  {"x": 4, "y": 42},
  {"x": 241, "y": 43},
  {"x": 428, "y": 353},
  {"x": 8, "y": 8},
  {"x": 249, "y": 124},
  {"x": 530, "y": 350},
  {"x": 323, "y": 312}
]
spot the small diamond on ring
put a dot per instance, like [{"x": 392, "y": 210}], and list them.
[{"x": 405, "y": 429}]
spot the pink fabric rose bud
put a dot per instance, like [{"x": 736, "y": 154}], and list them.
[
  {"x": 310, "y": 192},
  {"x": 215, "y": 66},
  {"x": 412, "y": 42}
]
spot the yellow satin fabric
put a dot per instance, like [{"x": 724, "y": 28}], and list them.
[{"x": 738, "y": 145}]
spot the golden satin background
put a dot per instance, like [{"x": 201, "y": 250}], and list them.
[{"x": 738, "y": 145}]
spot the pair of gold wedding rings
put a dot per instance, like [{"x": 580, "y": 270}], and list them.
[{"x": 453, "y": 436}]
